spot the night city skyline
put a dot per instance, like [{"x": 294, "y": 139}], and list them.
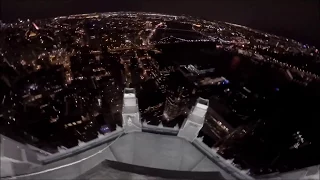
[
  {"x": 299, "y": 20},
  {"x": 249, "y": 96}
]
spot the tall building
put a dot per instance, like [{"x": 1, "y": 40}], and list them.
[
  {"x": 179, "y": 94},
  {"x": 175, "y": 104}
]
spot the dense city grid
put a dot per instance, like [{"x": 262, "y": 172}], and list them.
[{"x": 62, "y": 81}]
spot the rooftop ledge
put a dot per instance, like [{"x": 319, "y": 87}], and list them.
[
  {"x": 117, "y": 146},
  {"x": 88, "y": 155}
]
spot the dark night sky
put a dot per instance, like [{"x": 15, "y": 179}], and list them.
[{"x": 298, "y": 19}]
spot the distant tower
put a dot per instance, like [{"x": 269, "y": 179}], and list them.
[
  {"x": 130, "y": 113},
  {"x": 194, "y": 122},
  {"x": 175, "y": 104}
]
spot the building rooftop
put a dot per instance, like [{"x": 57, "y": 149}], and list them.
[
  {"x": 135, "y": 151},
  {"x": 131, "y": 147},
  {"x": 103, "y": 171},
  {"x": 135, "y": 155},
  {"x": 151, "y": 155},
  {"x": 155, "y": 155},
  {"x": 161, "y": 152}
]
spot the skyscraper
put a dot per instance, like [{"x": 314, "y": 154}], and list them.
[
  {"x": 175, "y": 104},
  {"x": 179, "y": 93}
]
